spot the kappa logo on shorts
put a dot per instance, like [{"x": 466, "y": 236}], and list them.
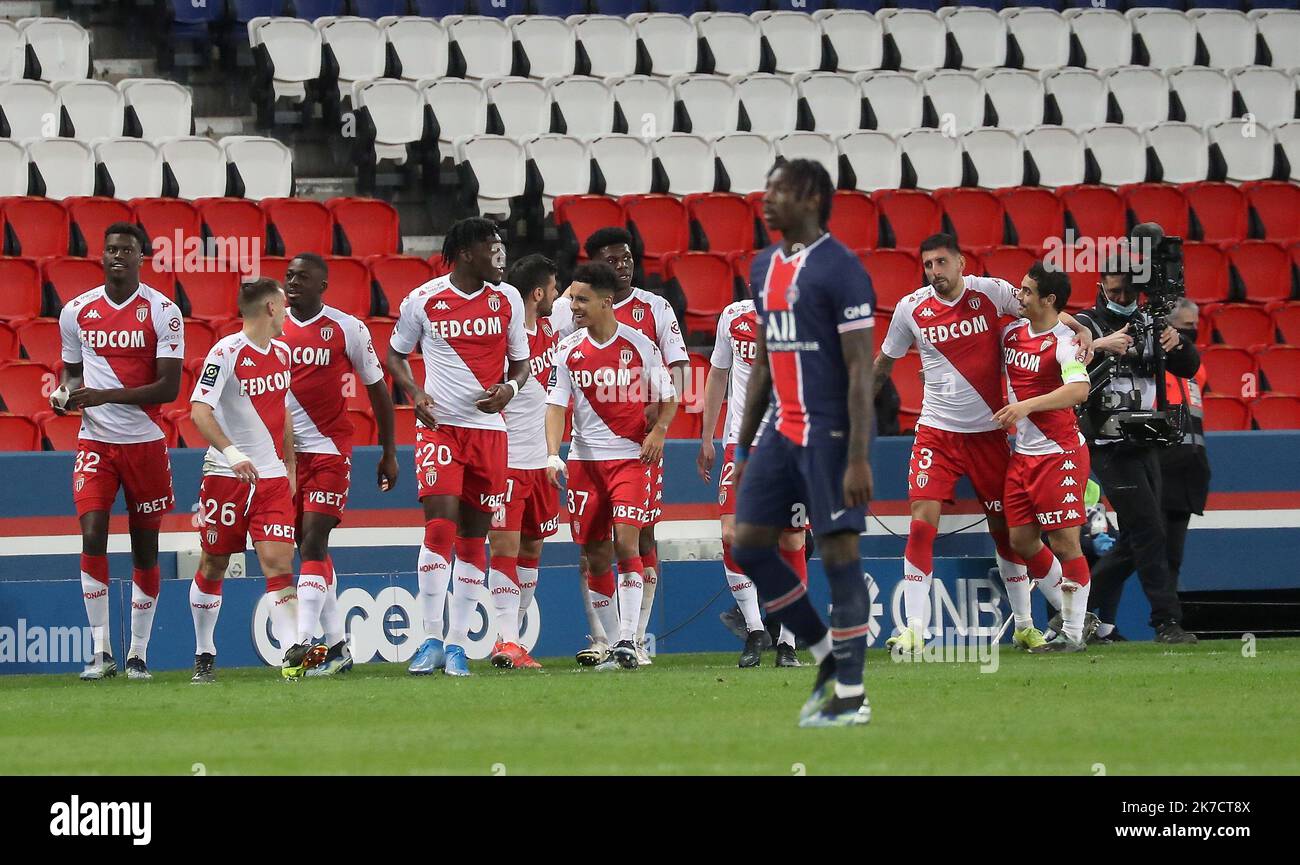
[
  {"x": 1068, "y": 482},
  {"x": 1072, "y": 514},
  {"x": 921, "y": 480},
  {"x": 210, "y": 373},
  {"x": 1069, "y": 466}
]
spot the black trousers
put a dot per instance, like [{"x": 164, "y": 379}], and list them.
[
  {"x": 1175, "y": 538},
  {"x": 1130, "y": 477}
]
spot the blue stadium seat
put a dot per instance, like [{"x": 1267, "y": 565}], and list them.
[
  {"x": 190, "y": 18},
  {"x": 927, "y": 5},
  {"x": 1274, "y": 4},
  {"x": 563, "y": 8},
  {"x": 1238, "y": 5},
  {"x": 678, "y": 7},
  {"x": 861, "y": 5},
  {"x": 744, "y": 7},
  {"x": 375, "y": 9},
  {"x": 313, "y": 9},
  {"x": 500, "y": 8},
  {"x": 440, "y": 8},
  {"x": 1156, "y": 4},
  {"x": 1058, "y": 5},
  {"x": 995, "y": 5},
  {"x": 246, "y": 10},
  {"x": 620, "y": 8}
]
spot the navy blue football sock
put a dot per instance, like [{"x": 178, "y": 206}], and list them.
[
  {"x": 784, "y": 597},
  {"x": 850, "y": 620}
]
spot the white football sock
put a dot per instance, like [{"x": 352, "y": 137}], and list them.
[
  {"x": 1073, "y": 610},
  {"x": 527, "y": 588},
  {"x": 506, "y": 601},
  {"x": 332, "y": 616},
  {"x": 284, "y": 615},
  {"x": 916, "y": 598},
  {"x": 1050, "y": 585},
  {"x": 204, "y": 609},
  {"x": 312, "y": 594},
  {"x": 631, "y": 588},
  {"x": 650, "y": 583},
  {"x": 465, "y": 577},
  {"x": 606, "y": 614},
  {"x": 742, "y": 589},
  {"x": 821, "y": 648},
  {"x": 785, "y": 637},
  {"x": 1016, "y": 580},
  {"x": 95, "y": 594},
  {"x": 143, "y": 607},
  {"x": 434, "y": 571}
]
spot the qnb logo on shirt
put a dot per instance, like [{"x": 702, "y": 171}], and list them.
[
  {"x": 112, "y": 338},
  {"x": 456, "y": 328},
  {"x": 1021, "y": 359},
  {"x": 264, "y": 384},
  {"x": 947, "y": 332},
  {"x": 310, "y": 355},
  {"x": 862, "y": 310}
]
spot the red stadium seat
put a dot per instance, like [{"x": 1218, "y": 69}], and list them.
[
  {"x": 213, "y": 296},
  {"x": 723, "y": 219},
  {"x": 1242, "y": 325},
  {"x": 71, "y": 277},
  {"x": 159, "y": 280},
  {"x": 1230, "y": 371},
  {"x": 1286, "y": 319},
  {"x": 275, "y": 267},
  {"x": 1035, "y": 213},
  {"x": 1205, "y": 273},
  {"x": 1277, "y": 205},
  {"x": 8, "y": 343},
  {"x": 417, "y": 371},
  {"x": 364, "y": 226},
  {"x": 584, "y": 214},
  {"x": 894, "y": 275},
  {"x": 1280, "y": 366},
  {"x": 21, "y": 297},
  {"x": 41, "y": 341},
  {"x": 300, "y": 225},
  {"x": 741, "y": 264},
  {"x": 18, "y": 433},
  {"x": 397, "y": 276},
  {"x": 1276, "y": 411},
  {"x": 381, "y": 332},
  {"x": 912, "y": 215},
  {"x": 187, "y": 434},
  {"x": 705, "y": 278},
  {"x": 1096, "y": 211},
  {"x": 1264, "y": 269},
  {"x": 1083, "y": 286},
  {"x": 1006, "y": 262},
  {"x": 35, "y": 227},
  {"x": 1220, "y": 208},
  {"x": 364, "y": 429},
  {"x": 755, "y": 200},
  {"x": 692, "y": 393},
  {"x": 89, "y": 216},
  {"x": 25, "y": 387},
  {"x": 661, "y": 223},
  {"x": 169, "y": 223},
  {"x": 1225, "y": 413},
  {"x": 974, "y": 263},
  {"x": 685, "y": 425},
  {"x": 854, "y": 221},
  {"x": 1158, "y": 202},
  {"x": 236, "y": 218},
  {"x": 404, "y": 424},
  {"x": 200, "y": 336},
  {"x": 975, "y": 215},
  {"x": 349, "y": 286},
  {"x": 60, "y": 430},
  {"x": 907, "y": 421},
  {"x": 907, "y": 378}
]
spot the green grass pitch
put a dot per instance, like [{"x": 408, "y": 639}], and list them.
[{"x": 1137, "y": 708}]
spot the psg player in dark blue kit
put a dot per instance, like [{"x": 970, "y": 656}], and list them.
[{"x": 813, "y": 368}]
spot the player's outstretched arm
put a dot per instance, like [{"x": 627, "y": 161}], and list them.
[
  {"x": 715, "y": 391},
  {"x": 855, "y": 345},
  {"x": 160, "y": 391},
  {"x": 381, "y": 402},
  {"x": 1082, "y": 336},
  {"x": 206, "y": 423},
  {"x": 1066, "y": 396}
]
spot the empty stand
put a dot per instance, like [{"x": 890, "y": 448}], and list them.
[{"x": 299, "y": 225}]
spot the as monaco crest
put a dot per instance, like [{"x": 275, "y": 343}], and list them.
[
  {"x": 327, "y": 333},
  {"x": 141, "y": 313},
  {"x": 921, "y": 480},
  {"x": 212, "y": 536},
  {"x": 430, "y": 477},
  {"x": 494, "y": 303},
  {"x": 625, "y": 356},
  {"x": 81, "y": 483},
  {"x": 974, "y": 303},
  {"x": 638, "y": 314}
]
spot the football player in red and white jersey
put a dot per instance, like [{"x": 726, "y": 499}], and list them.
[
  {"x": 122, "y": 350},
  {"x": 467, "y": 327},
  {"x": 249, "y": 471},
  {"x": 651, "y": 315},
  {"x": 531, "y": 510},
  {"x": 954, "y": 322},
  {"x": 612, "y": 373},
  {"x": 729, "y": 366},
  {"x": 1050, "y": 464},
  {"x": 327, "y": 348}
]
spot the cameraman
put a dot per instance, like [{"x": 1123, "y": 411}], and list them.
[{"x": 1129, "y": 471}]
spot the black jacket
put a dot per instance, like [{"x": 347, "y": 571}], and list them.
[{"x": 1182, "y": 362}]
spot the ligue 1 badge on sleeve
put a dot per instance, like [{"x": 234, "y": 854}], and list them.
[{"x": 327, "y": 333}]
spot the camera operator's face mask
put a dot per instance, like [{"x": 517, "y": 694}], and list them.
[{"x": 1115, "y": 294}]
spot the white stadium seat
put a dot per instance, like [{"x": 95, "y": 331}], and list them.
[
  {"x": 687, "y": 160},
  {"x": 1269, "y": 94},
  {"x": 485, "y": 44},
  {"x": 1228, "y": 35},
  {"x": 834, "y": 101},
  {"x": 396, "y": 109},
  {"x": 610, "y": 44},
  {"x": 134, "y": 166},
  {"x": 459, "y": 108},
  {"x": 734, "y": 41},
  {"x": 1182, "y": 150},
  {"x": 1247, "y": 149},
  {"x": 563, "y": 163},
  {"x": 795, "y": 39},
  {"x": 920, "y": 37},
  {"x": 1206, "y": 94},
  {"x": 1120, "y": 152},
  {"x": 11, "y": 52},
  {"x": 1042, "y": 35},
  {"x": 500, "y": 168},
  {"x": 422, "y": 47},
  {"x": 96, "y": 109},
  {"x": 1105, "y": 35},
  {"x": 997, "y": 155},
  {"x": 522, "y": 104},
  {"x": 671, "y": 42},
  {"x": 1058, "y": 154},
  {"x": 549, "y": 43},
  {"x": 935, "y": 157},
  {"x": 770, "y": 102},
  {"x": 198, "y": 165},
  {"x": 624, "y": 162},
  {"x": 263, "y": 164},
  {"x": 857, "y": 38},
  {"x": 981, "y": 36},
  {"x": 1281, "y": 31},
  {"x": 13, "y": 168},
  {"x": 1288, "y": 135},
  {"x": 957, "y": 98},
  {"x": 747, "y": 158},
  {"x": 359, "y": 50},
  {"x": 586, "y": 104},
  {"x": 294, "y": 49},
  {"x": 1017, "y": 97},
  {"x": 874, "y": 158},
  {"x": 62, "y": 48},
  {"x": 1169, "y": 36},
  {"x": 646, "y": 103},
  {"x": 1142, "y": 94},
  {"x": 811, "y": 145},
  {"x": 67, "y": 166},
  {"x": 31, "y": 109},
  {"x": 896, "y": 100},
  {"x": 710, "y": 102},
  {"x": 163, "y": 109},
  {"x": 1080, "y": 94}
]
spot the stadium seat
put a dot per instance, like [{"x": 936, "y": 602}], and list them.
[
  {"x": 355, "y": 50},
  {"x": 996, "y": 158},
  {"x": 69, "y": 277},
  {"x": 671, "y": 43},
  {"x": 548, "y": 44},
  {"x": 1095, "y": 211},
  {"x": 312, "y": 9},
  {"x": 745, "y": 158},
  {"x": 734, "y": 41},
  {"x": 364, "y": 428},
  {"x": 688, "y": 162},
  {"x": 1157, "y": 202},
  {"x": 40, "y": 341},
  {"x": 609, "y": 44},
  {"x": 200, "y": 336},
  {"x": 349, "y": 285},
  {"x": 129, "y": 168},
  {"x": 169, "y": 220},
  {"x": 980, "y": 34},
  {"x": 1280, "y": 366},
  {"x": 381, "y": 329},
  {"x": 364, "y": 226},
  {"x": 523, "y": 106},
  {"x": 769, "y": 102},
  {"x": 918, "y": 37},
  {"x": 1042, "y": 36},
  {"x": 397, "y": 276},
  {"x": 1007, "y": 262},
  {"x": 1268, "y": 94},
  {"x": 1079, "y": 96},
  {"x": 391, "y": 112},
  {"x": 907, "y": 378},
  {"x": 443, "y": 8},
  {"x": 814, "y": 146},
  {"x": 874, "y": 159},
  {"x": 11, "y": 67},
  {"x": 1276, "y": 205},
  {"x": 934, "y": 157},
  {"x": 1017, "y": 98},
  {"x": 18, "y": 433},
  {"x": 1058, "y": 155},
  {"x": 895, "y": 274},
  {"x": 795, "y": 39},
  {"x": 1263, "y": 269},
  {"x": 1225, "y": 413},
  {"x": 25, "y": 387},
  {"x": 722, "y": 220},
  {"x": 60, "y": 49},
  {"x": 1286, "y": 319},
  {"x": 1276, "y": 412},
  {"x": 1205, "y": 272},
  {"x": 857, "y": 38},
  {"x": 14, "y": 169},
  {"x": 156, "y": 108},
  {"x": 585, "y": 105},
  {"x": 276, "y": 267},
  {"x": 1287, "y": 136},
  {"x": 263, "y": 167},
  {"x": 1105, "y": 36},
  {"x": 710, "y": 103},
  {"x": 299, "y": 225},
  {"x": 975, "y": 216},
  {"x": 1220, "y": 208},
  {"x": 495, "y": 168},
  {"x": 619, "y": 8},
  {"x": 61, "y": 431},
  {"x": 741, "y": 262},
  {"x": 187, "y": 434},
  {"x": 955, "y": 99},
  {"x": 561, "y": 164},
  {"x": 832, "y": 102},
  {"x": 29, "y": 109},
  {"x": 236, "y": 218},
  {"x": 705, "y": 279},
  {"x": 485, "y": 45},
  {"x": 1167, "y": 36},
  {"x": 420, "y": 46},
  {"x": 768, "y": 235},
  {"x": 458, "y": 109},
  {"x": 624, "y": 162},
  {"x": 646, "y": 103},
  {"x": 1182, "y": 151},
  {"x": 854, "y": 221},
  {"x": 63, "y": 167},
  {"x": 213, "y": 295},
  {"x": 583, "y": 214},
  {"x": 1229, "y": 370},
  {"x": 1142, "y": 94},
  {"x": 34, "y": 227},
  {"x": 911, "y": 216},
  {"x": 1228, "y": 35},
  {"x": 404, "y": 425},
  {"x": 685, "y": 425},
  {"x": 1280, "y": 31},
  {"x": 661, "y": 224},
  {"x": 92, "y": 109},
  {"x": 161, "y": 280},
  {"x": 89, "y": 217},
  {"x": 197, "y": 167},
  {"x": 1119, "y": 153},
  {"x": 1241, "y": 325},
  {"x": 1246, "y": 148},
  {"x": 1205, "y": 94},
  {"x": 895, "y": 101},
  {"x": 1036, "y": 215}
]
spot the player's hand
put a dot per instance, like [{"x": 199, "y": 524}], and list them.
[
  {"x": 704, "y": 460},
  {"x": 652, "y": 449},
  {"x": 387, "y": 472},
  {"x": 1010, "y": 415},
  {"x": 556, "y": 469},
  {"x": 494, "y": 399},
  {"x": 247, "y": 472},
  {"x": 858, "y": 484},
  {"x": 1118, "y": 342},
  {"x": 1170, "y": 339},
  {"x": 651, "y": 416},
  {"x": 1083, "y": 340},
  {"x": 84, "y": 397},
  {"x": 424, "y": 410}
]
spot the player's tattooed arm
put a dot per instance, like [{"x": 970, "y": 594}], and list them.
[
  {"x": 881, "y": 369},
  {"x": 160, "y": 391},
  {"x": 715, "y": 391},
  {"x": 856, "y": 348},
  {"x": 400, "y": 369},
  {"x": 495, "y": 398},
  {"x": 1082, "y": 335},
  {"x": 206, "y": 423},
  {"x": 381, "y": 401}
]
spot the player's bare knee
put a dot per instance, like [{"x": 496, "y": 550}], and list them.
[
  {"x": 1024, "y": 540},
  {"x": 791, "y": 541},
  {"x": 530, "y": 548},
  {"x": 314, "y": 547},
  {"x": 1065, "y": 544},
  {"x": 646, "y": 541},
  {"x": 728, "y": 535},
  {"x": 599, "y": 561},
  {"x": 927, "y": 511},
  {"x": 213, "y": 567}
]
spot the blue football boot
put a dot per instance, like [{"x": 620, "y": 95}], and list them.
[
  {"x": 457, "y": 663},
  {"x": 429, "y": 657}
]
